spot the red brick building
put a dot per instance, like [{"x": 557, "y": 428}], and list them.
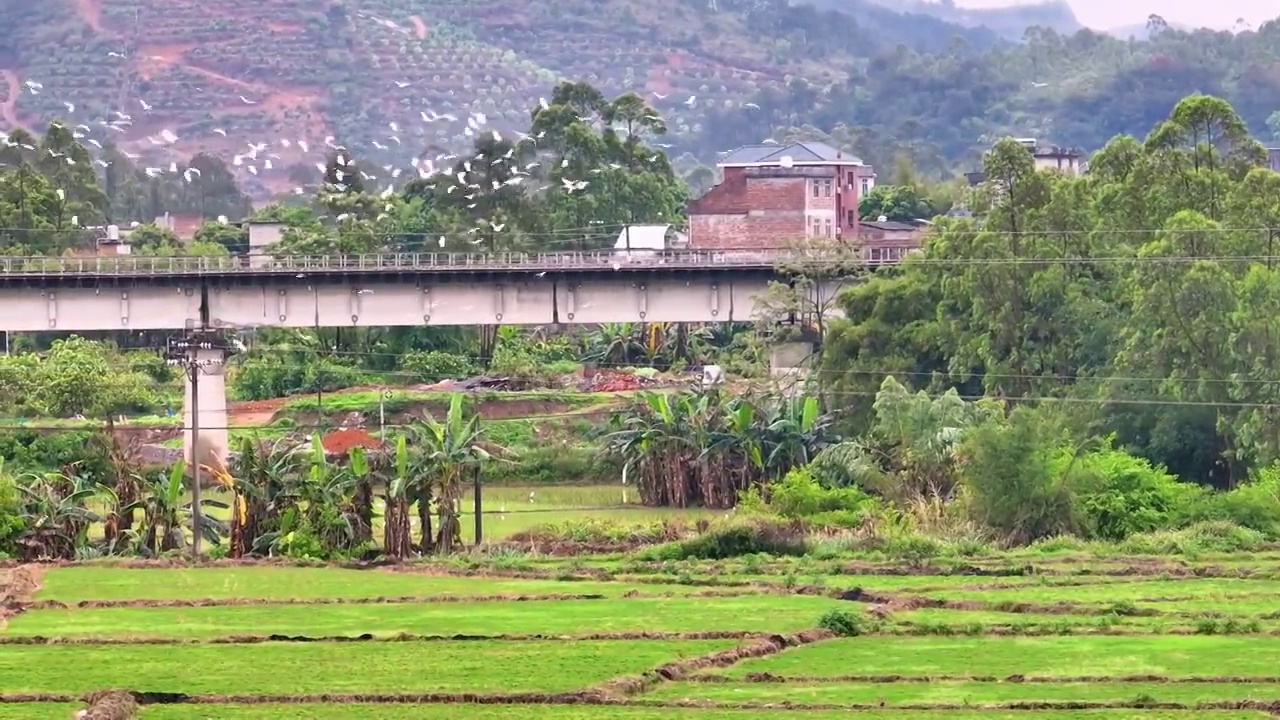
[{"x": 775, "y": 195}]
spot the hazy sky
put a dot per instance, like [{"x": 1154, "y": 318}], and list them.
[{"x": 1104, "y": 14}]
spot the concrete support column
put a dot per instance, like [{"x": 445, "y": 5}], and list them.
[
  {"x": 213, "y": 421},
  {"x": 791, "y": 358}
]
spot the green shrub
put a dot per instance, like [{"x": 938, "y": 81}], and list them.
[
  {"x": 26, "y": 450},
  {"x": 11, "y": 523},
  {"x": 844, "y": 623},
  {"x": 735, "y": 539},
  {"x": 800, "y": 495},
  {"x": 1016, "y": 482},
  {"x": 1204, "y": 537},
  {"x": 1118, "y": 495},
  {"x": 1254, "y": 504},
  {"x": 151, "y": 365},
  {"x": 554, "y": 463},
  {"x": 264, "y": 378},
  {"x": 434, "y": 366}
]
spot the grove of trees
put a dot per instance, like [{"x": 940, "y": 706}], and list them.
[{"x": 1138, "y": 300}]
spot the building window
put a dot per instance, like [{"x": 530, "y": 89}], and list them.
[
  {"x": 826, "y": 188},
  {"x": 850, "y": 218},
  {"x": 816, "y": 228},
  {"x": 866, "y": 187},
  {"x": 815, "y": 188},
  {"x": 875, "y": 255},
  {"x": 826, "y": 228}
]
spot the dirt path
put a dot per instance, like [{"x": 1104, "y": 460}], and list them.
[
  {"x": 8, "y": 110},
  {"x": 419, "y": 27},
  {"x": 91, "y": 12}
]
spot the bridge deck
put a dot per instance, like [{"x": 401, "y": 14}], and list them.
[{"x": 126, "y": 266}]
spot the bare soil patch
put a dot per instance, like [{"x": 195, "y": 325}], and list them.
[
  {"x": 91, "y": 12},
  {"x": 8, "y": 108},
  {"x": 419, "y": 27},
  {"x": 18, "y": 588}
]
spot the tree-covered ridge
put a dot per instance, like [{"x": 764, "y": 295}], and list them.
[
  {"x": 944, "y": 109},
  {"x": 54, "y": 187},
  {"x": 397, "y": 79},
  {"x": 1141, "y": 299}
]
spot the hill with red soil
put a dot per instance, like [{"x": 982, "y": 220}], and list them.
[{"x": 388, "y": 78}]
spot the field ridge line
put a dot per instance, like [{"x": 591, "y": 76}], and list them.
[
  {"x": 890, "y": 679},
  {"x": 680, "y": 669},
  {"x": 602, "y": 699},
  {"x": 369, "y": 637}
]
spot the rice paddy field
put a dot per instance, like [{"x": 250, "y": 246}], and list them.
[{"x": 509, "y": 636}]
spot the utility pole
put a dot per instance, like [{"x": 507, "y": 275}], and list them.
[
  {"x": 185, "y": 353},
  {"x": 475, "y": 497}
]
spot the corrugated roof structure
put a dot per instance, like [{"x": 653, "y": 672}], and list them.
[{"x": 799, "y": 152}]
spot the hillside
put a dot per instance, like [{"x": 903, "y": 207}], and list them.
[
  {"x": 405, "y": 74},
  {"x": 399, "y": 79},
  {"x": 1010, "y": 22}
]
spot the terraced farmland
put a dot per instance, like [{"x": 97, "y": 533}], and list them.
[
  {"x": 386, "y": 77},
  {"x": 532, "y": 637}
]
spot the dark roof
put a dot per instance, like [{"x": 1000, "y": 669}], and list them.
[
  {"x": 889, "y": 225},
  {"x": 801, "y": 152}
]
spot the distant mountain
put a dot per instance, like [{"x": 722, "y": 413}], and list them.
[{"x": 1010, "y": 23}]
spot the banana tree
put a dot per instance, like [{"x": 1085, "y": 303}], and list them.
[
  {"x": 55, "y": 516},
  {"x": 167, "y": 517},
  {"x": 795, "y": 432},
  {"x": 451, "y": 452},
  {"x": 396, "y": 530},
  {"x": 655, "y": 438},
  {"x": 260, "y": 481}
]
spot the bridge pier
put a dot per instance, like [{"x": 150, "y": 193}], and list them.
[
  {"x": 791, "y": 359},
  {"x": 207, "y": 376}
]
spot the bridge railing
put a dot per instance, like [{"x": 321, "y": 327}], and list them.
[{"x": 125, "y": 265}]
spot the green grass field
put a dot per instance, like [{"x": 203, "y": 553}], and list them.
[{"x": 427, "y": 641}]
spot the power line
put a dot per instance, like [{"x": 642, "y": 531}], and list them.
[
  {"x": 426, "y": 379},
  {"x": 341, "y": 231},
  {"x": 590, "y": 413}
]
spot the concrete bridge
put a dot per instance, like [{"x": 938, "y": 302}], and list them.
[{"x": 204, "y": 294}]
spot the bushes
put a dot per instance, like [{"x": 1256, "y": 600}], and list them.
[
  {"x": 11, "y": 523},
  {"x": 31, "y": 450},
  {"x": 1118, "y": 495},
  {"x": 1015, "y": 478},
  {"x": 735, "y": 539},
  {"x": 844, "y": 623},
  {"x": 263, "y": 378},
  {"x": 1254, "y": 505},
  {"x": 434, "y": 366},
  {"x": 799, "y": 496}
]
